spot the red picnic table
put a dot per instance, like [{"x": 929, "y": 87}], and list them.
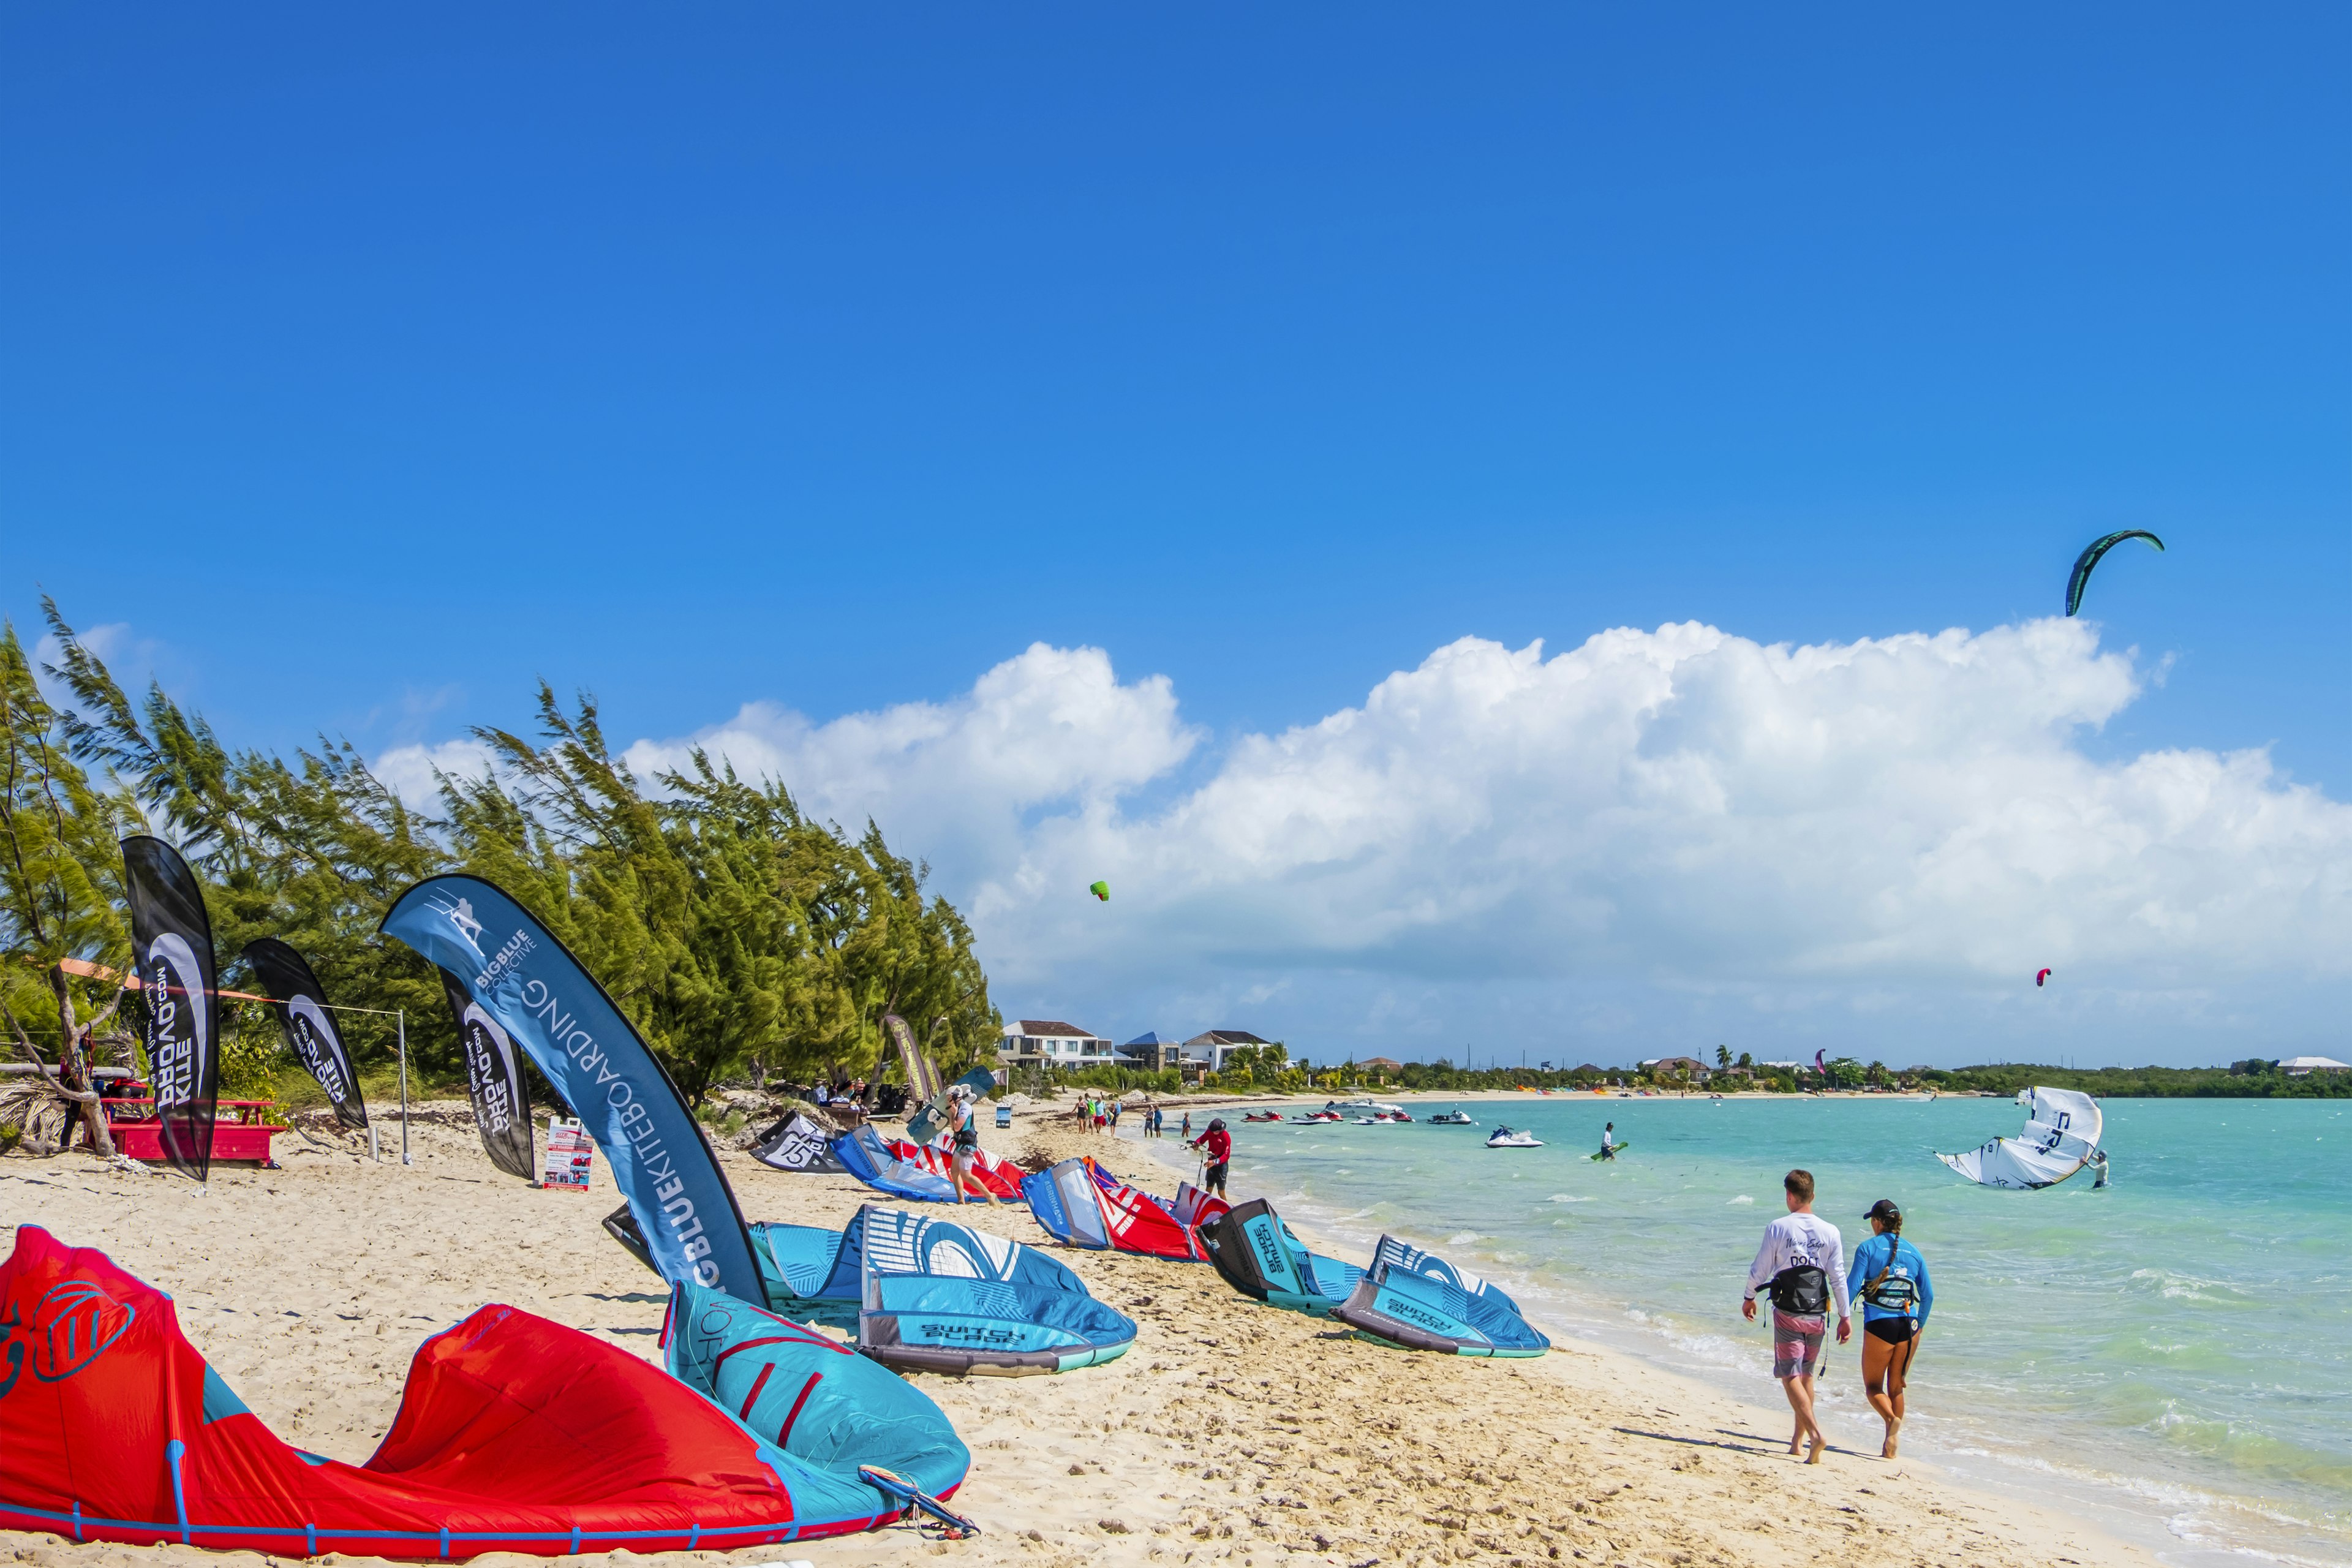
[{"x": 241, "y": 1137}]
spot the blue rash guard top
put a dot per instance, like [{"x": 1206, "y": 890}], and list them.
[{"x": 1870, "y": 1259}]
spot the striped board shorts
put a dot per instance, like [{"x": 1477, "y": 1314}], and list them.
[{"x": 1797, "y": 1344}]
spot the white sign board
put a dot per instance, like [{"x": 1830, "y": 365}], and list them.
[{"x": 571, "y": 1156}]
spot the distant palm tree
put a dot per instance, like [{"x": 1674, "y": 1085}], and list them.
[{"x": 1723, "y": 1055}]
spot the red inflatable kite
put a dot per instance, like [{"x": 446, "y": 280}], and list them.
[
  {"x": 1000, "y": 1176},
  {"x": 514, "y": 1434}
]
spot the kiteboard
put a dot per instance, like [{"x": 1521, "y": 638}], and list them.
[{"x": 1614, "y": 1150}]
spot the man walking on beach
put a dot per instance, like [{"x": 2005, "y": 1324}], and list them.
[
  {"x": 1217, "y": 1148},
  {"x": 1802, "y": 1264}
]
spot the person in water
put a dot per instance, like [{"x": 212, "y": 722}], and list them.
[
  {"x": 1802, "y": 1264},
  {"x": 1609, "y": 1142},
  {"x": 1890, "y": 1278},
  {"x": 967, "y": 1145},
  {"x": 1217, "y": 1147}
]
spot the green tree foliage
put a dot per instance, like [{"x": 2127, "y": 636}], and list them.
[
  {"x": 735, "y": 933},
  {"x": 60, "y": 905},
  {"x": 2255, "y": 1080}
]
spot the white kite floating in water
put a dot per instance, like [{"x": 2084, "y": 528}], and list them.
[{"x": 2062, "y": 1133}]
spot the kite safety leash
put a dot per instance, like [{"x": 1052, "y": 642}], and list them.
[{"x": 891, "y": 1484}]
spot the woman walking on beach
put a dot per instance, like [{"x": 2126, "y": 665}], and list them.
[
  {"x": 967, "y": 1145},
  {"x": 1890, "y": 1279}
]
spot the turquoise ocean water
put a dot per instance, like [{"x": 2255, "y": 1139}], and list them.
[{"x": 2172, "y": 1356}]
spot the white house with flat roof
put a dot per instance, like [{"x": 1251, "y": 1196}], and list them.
[
  {"x": 1049, "y": 1042},
  {"x": 2304, "y": 1066}
]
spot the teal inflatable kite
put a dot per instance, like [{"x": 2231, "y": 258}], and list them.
[{"x": 2091, "y": 557}]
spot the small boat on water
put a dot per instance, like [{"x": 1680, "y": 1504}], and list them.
[
  {"x": 1504, "y": 1138},
  {"x": 1383, "y": 1118},
  {"x": 1323, "y": 1116},
  {"x": 1267, "y": 1116},
  {"x": 1363, "y": 1106},
  {"x": 1452, "y": 1118}
]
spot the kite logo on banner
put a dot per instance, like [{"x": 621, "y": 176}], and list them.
[
  {"x": 310, "y": 1033},
  {"x": 461, "y": 916},
  {"x": 174, "y": 941},
  {"x": 494, "y": 1080},
  {"x": 520, "y": 977}
]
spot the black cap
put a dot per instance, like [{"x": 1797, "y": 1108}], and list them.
[
  {"x": 1884, "y": 1209},
  {"x": 1216, "y": 1124}
]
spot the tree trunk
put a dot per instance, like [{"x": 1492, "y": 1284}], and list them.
[{"x": 73, "y": 1069}]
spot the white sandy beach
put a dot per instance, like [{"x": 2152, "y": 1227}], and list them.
[{"x": 1231, "y": 1431}]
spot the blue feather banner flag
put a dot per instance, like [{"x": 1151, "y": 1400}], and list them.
[{"x": 516, "y": 971}]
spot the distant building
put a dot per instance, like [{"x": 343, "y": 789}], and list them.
[
  {"x": 1667, "y": 1067},
  {"x": 1382, "y": 1065},
  {"x": 2304, "y": 1066},
  {"x": 1206, "y": 1052},
  {"x": 1049, "y": 1042},
  {"x": 1151, "y": 1051}
]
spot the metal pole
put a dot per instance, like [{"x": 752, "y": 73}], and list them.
[{"x": 404, "y": 1089}]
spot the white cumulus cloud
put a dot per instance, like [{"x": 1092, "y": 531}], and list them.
[
  {"x": 1652, "y": 840},
  {"x": 409, "y": 771}
]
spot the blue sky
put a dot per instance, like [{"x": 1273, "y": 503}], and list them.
[{"x": 363, "y": 369}]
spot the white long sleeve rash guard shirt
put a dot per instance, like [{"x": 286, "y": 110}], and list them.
[{"x": 1796, "y": 1241}]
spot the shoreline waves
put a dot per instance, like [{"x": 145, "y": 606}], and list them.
[{"x": 2183, "y": 1406}]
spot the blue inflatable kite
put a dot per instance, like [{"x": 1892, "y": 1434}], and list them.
[
  {"x": 1260, "y": 1258},
  {"x": 865, "y": 1156},
  {"x": 1420, "y": 1301},
  {"x": 819, "y": 1402},
  {"x": 930, "y": 1295}
]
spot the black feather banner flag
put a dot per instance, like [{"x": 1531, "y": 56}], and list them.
[
  {"x": 494, "y": 1077},
  {"x": 310, "y": 1033},
  {"x": 173, "y": 943}
]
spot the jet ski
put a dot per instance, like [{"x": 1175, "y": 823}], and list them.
[
  {"x": 1504, "y": 1138},
  {"x": 1325, "y": 1117},
  {"x": 1269, "y": 1116},
  {"x": 1452, "y": 1118}
]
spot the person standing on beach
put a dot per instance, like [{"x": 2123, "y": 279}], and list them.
[
  {"x": 967, "y": 1145},
  {"x": 1890, "y": 1277},
  {"x": 1185, "y": 1131},
  {"x": 1217, "y": 1148},
  {"x": 1802, "y": 1264}
]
